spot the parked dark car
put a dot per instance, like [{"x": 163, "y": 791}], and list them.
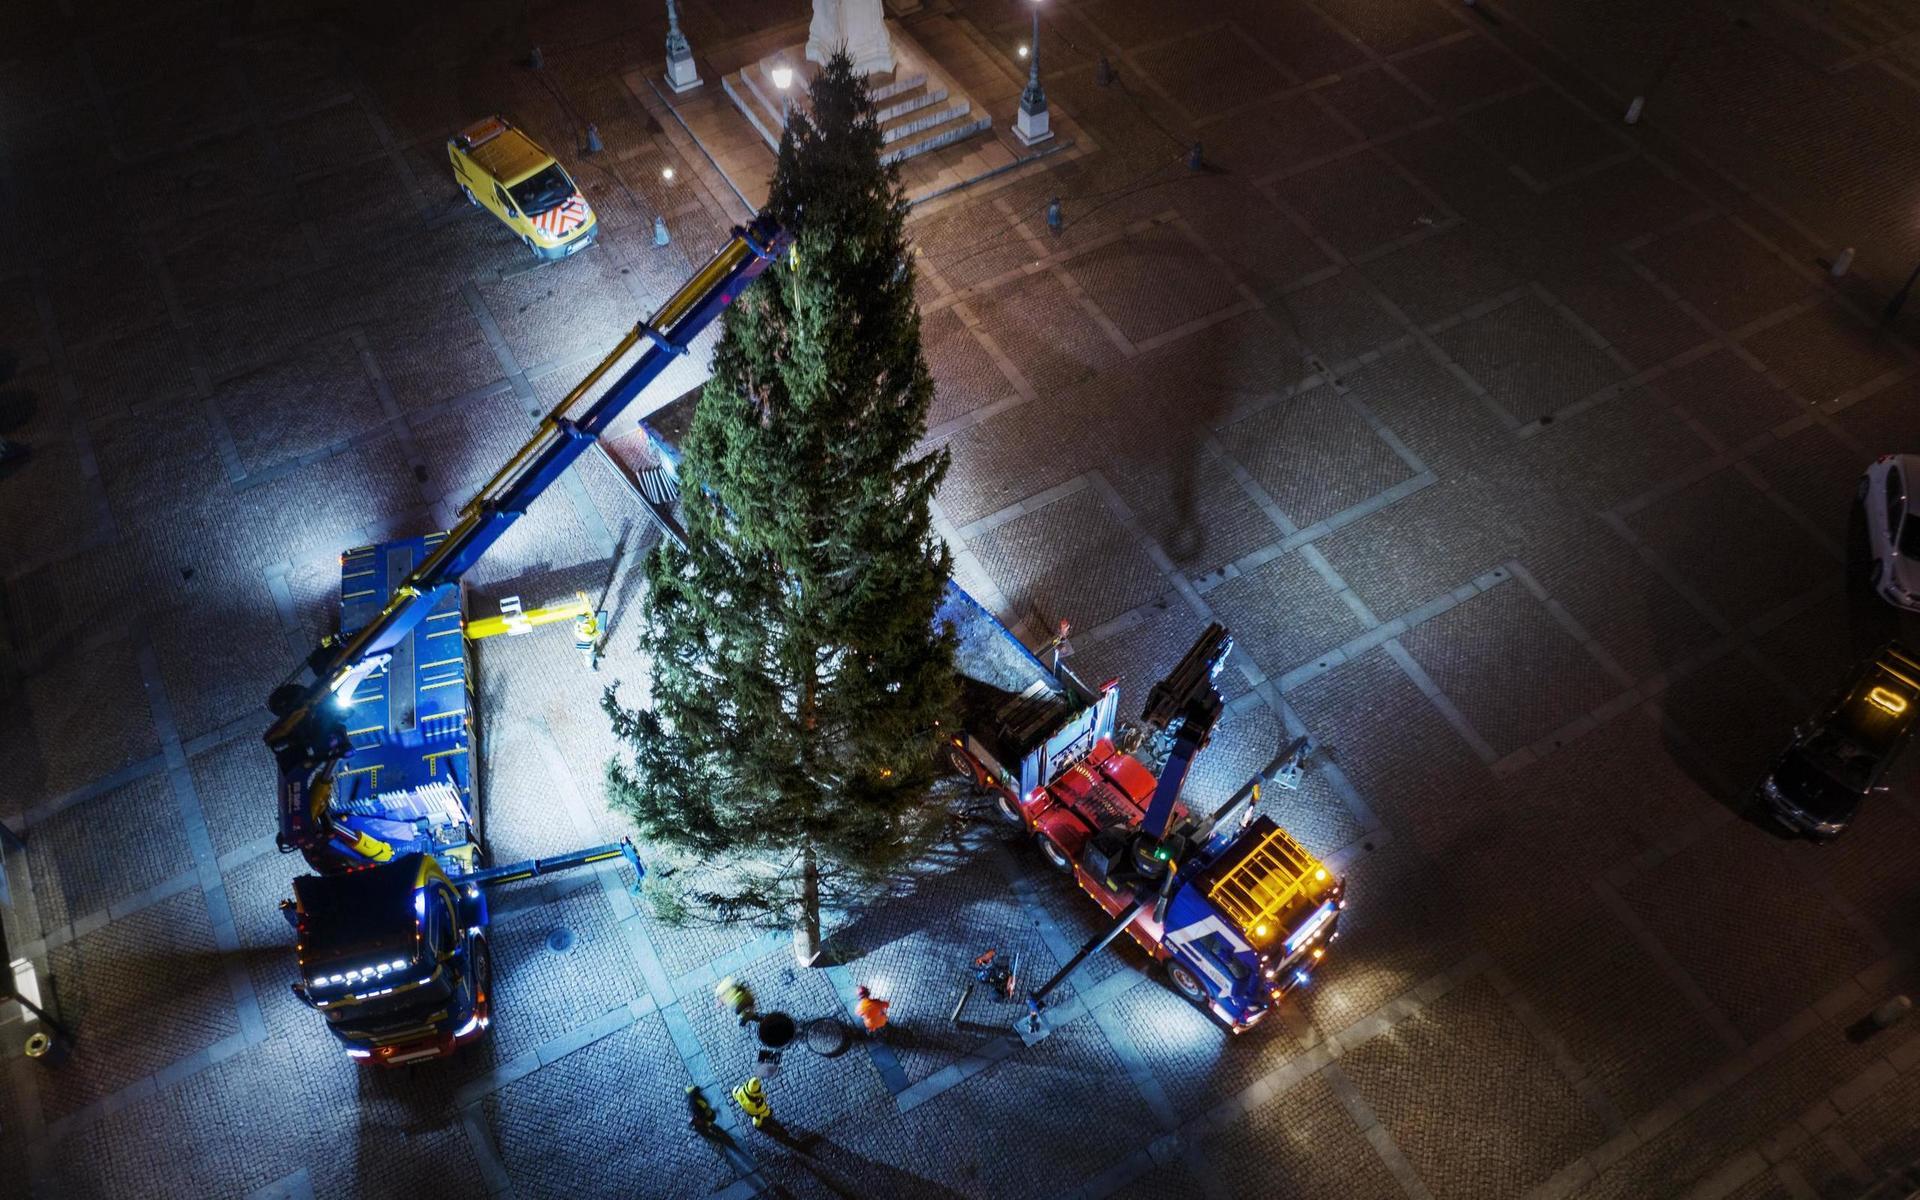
[{"x": 1841, "y": 756}]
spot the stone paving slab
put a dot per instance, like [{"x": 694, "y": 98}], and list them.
[
  {"x": 1753, "y": 984},
  {"x": 1040, "y": 581},
  {"x": 1723, "y": 272},
  {"x": 1458, "y": 1124},
  {"x": 1306, "y": 1139},
  {"x": 1357, "y": 202},
  {"x": 143, "y": 987},
  {"x": 1500, "y": 635},
  {"x": 556, "y": 1129},
  {"x": 1314, "y": 456},
  {"x": 1283, "y": 613},
  {"x": 1336, "y": 318}
]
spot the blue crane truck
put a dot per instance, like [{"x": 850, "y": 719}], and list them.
[
  {"x": 1234, "y": 909},
  {"x": 374, "y": 734}
]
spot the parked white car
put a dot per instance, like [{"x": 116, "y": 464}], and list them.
[{"x": 1893, "y": 528}]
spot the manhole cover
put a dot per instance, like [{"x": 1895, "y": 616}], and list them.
[
  {"x": 826, "y": 1036},
  {"x": 560, "y": 940}
]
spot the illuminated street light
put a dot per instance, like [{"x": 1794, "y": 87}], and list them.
[
  {"x": 783, "y": 79},
  {"x": 1032, "y": 124}
]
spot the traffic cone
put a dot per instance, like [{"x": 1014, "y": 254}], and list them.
[{"x": 660, "y": 237}]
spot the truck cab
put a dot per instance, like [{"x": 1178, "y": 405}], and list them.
[
  {"x": 395, "y": 956},
  {"x": 501, "y": 169},
  {"x": 1840, "y": 757},
  {"x": 1249, "y": 913}
]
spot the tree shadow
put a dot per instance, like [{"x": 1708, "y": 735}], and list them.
[{"x": 849, "y": 1174}]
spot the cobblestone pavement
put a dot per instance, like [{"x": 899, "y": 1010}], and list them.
[{"x": 1515, "y": 443}]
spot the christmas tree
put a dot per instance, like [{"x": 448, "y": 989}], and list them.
[{"x": 798, "y": 679}]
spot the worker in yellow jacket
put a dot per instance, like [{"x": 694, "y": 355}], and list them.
[{"x": 751, "y": 1096}]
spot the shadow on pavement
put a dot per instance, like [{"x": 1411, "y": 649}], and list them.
[{"x": 848, "y": 1175}]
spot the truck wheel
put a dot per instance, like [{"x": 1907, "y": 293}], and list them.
[
  {"x": 468, "y": 193},
  {"x": 961, "y": 763},
  {"x": 1054, "y": 854},
  {"x": 1007, "y": 807},
  {"x": 1186, "y": 983}
]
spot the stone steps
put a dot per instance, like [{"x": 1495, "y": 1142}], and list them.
[
  {"x": 925, "y": 114},
  {"x": 965, "y": 125},
  {"x": 917, "y": 106},
  {"x": 922, "y": 94}
]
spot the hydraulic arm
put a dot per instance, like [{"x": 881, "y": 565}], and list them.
[
  {"x": 309, "y": 737},
  {"x": 1186, "y": 706}
]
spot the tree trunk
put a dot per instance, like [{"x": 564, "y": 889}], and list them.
[{"x": 806, "y": 929}]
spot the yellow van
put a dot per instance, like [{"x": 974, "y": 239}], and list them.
[{"x": 504, "y": 171}]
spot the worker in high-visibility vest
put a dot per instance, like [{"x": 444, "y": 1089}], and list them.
[
  {"x": 751, "y": 1096},
  {"x": 872, "y": 1012},
  {"x": 735, "y": 997},
  {"x": 700, "y": 1114},
  {"x": 586, "y": 639}
]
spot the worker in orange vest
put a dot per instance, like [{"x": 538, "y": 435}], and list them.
[{"x": 872, "y": 1012}]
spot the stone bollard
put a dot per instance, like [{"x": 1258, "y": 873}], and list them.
[
  {"x": 1892, "y": 1012},
  {"x": 594, "y": 144},
  {"x": 1633, "y": 110},
  {"x": 1195, "y": 159},
  {"x": 1103, "y": 73},
  {"x": 1842, "y": 262},
  {"x": 1053, "y": 216},
  {"x": 536, "y": 60},
  {"x": 660, "y": 236}
]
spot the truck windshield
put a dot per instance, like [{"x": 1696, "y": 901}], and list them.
[
  {"x": 539, "y": 193},
  {"x": 384, "y": 1014},
  {"x": 1818, "y": 786},
  {"x": 1841, "y": 757}
]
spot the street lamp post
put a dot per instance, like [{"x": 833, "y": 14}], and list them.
[
  {"x": 783, "y": 79},
  {"x": 682, "y": 75},
  {"x": 1031, "y": 124}
]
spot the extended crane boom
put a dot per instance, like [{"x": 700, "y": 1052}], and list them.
[{"x": 310, "y": 736}]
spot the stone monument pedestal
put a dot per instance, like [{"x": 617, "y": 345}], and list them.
[{"x": 919, "y": 106}]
